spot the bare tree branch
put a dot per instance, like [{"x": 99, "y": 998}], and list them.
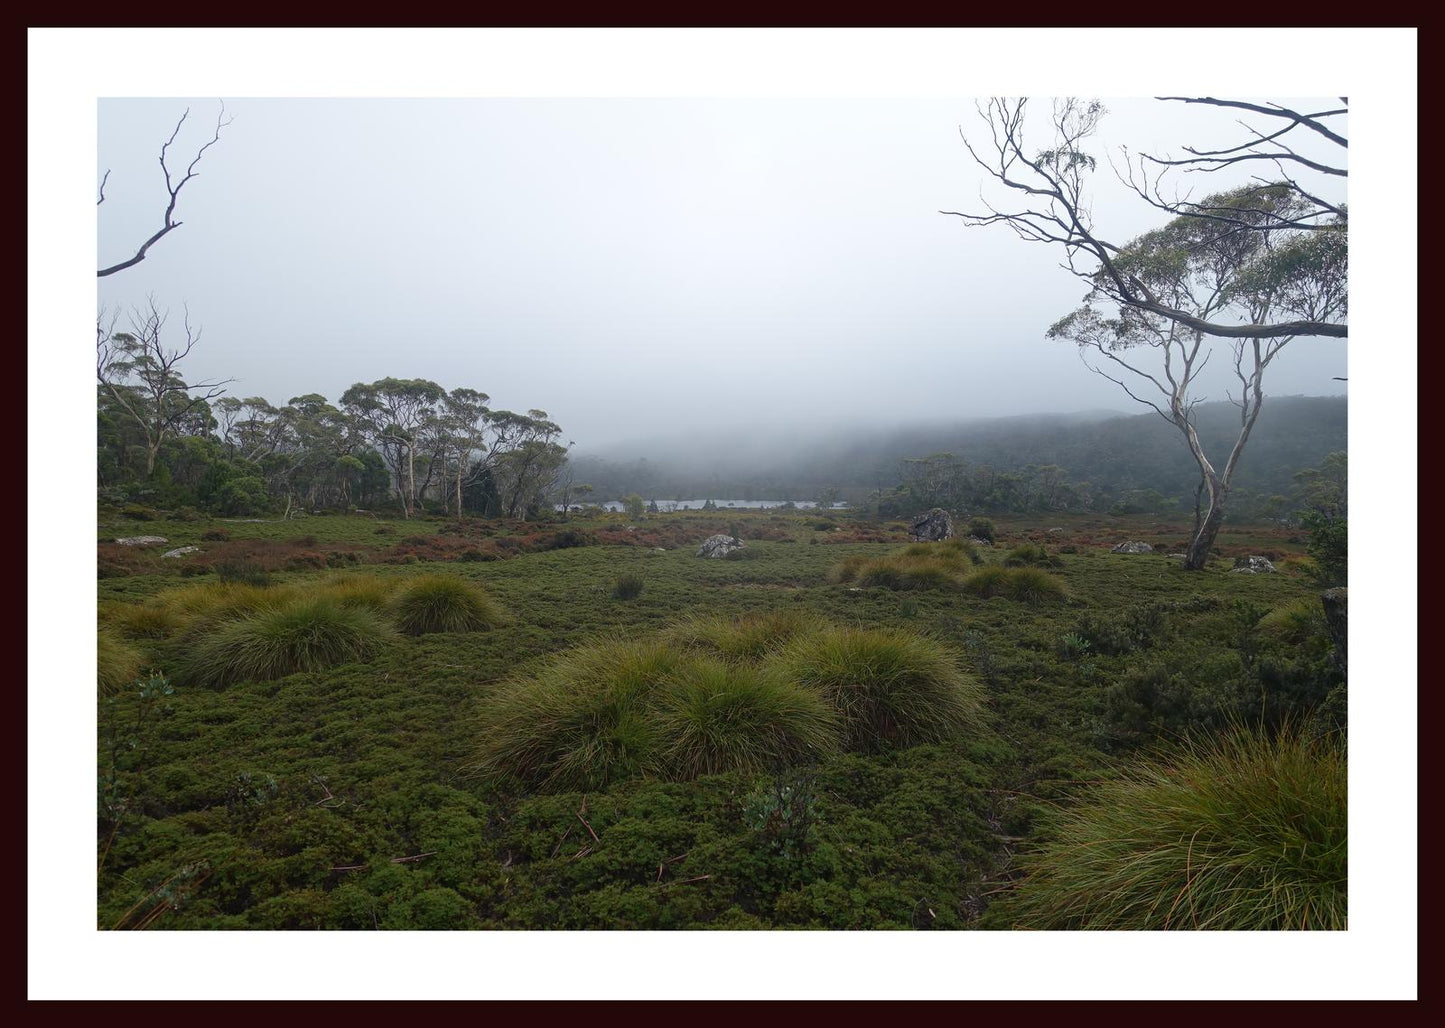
[{"x": 168, "y": 222}]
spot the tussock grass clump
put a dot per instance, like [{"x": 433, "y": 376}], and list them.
[
  {"x": 846, "y": 570},
  {"x": 363, "y": 592},
  {"x": 201, "y": 607},
  {"x": 273, "y": 642},
  {"x": 904, "y": 572},
  {"x": 582, "y": 722},
  {"x": 940, "y": 565},
  {"x": 116, "y": 665},
  {"x": 149, "y": 620},
  {"x": 720, "y": 717},
  {"x": 1026, "y": 584},
  {"x": 1294, "y": 623},
  {"x": 891, "y": 688},
  {"x": 1030, "y": 555},
  {"x": 746, "y": 638},
  {"x": 441, "y": 603},
  {"x": 1243, "y": 833}
]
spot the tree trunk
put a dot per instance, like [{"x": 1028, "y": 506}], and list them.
[
  {"x": 410, "y": 479},
  {"x": 1198, "y": 553}
]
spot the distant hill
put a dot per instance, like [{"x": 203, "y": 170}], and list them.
[{"x": 1113, "y": 453}]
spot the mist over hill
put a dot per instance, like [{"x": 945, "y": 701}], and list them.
[{"x": 1105, "y": 456}]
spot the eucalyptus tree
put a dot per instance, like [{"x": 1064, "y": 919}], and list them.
[
  {"x": 1210, "y": 268},
  {"x": 142, "y": 377},
  {"x": 1258, "y": 264},
  {"x": 1049, "y": 201},
  {"x": 396, "y": 414},
  {"x": 531, "y": 460}
]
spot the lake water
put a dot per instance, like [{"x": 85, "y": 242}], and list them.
[{"x": 668, "y": 506}]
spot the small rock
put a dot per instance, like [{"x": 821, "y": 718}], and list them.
[
  {"x": 1054, "y": 531},
  {"x": 658, "y": 549},
  {"x": 979, "y": 540},
  {"x": 931, "y": 527},
  {"x": 181, "y": 552},
  {"x": 1252, "y": 565},
  {"x": 142, "y": 540},
  {"x": 1133, "y": 546},
  {"x": 719, "y": 545}
]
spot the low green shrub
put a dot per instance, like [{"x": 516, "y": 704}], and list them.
[
  {"x": 981, "y": 527},
  {"x": 1030, "y": 554},
  {"x": 1245, "y": 833},
  {"x": 441, "y": 603},
  {"x": 627, "y": 587},
  {"x": 242, "y": 572}
]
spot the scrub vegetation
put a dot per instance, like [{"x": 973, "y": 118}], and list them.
[{"x": 859, "y": 735}]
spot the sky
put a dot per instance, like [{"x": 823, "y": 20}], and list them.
[
  {"x": 635, "y": 267},
  {"x": 634, "y": 263}
]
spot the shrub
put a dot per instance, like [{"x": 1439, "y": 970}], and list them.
[
  {"x": 342, "y": 558},
  {"x": 1244, "y": 833},
  {"x": 1125, "y": 631},
  {"x": 243, "y": 571},
  {"x": 215, "y": 535},
  {"x": 303, "y": 635},
  {"x": 1329, "y": 547},
  {"x": 441, "y": 603},
  {"x": 892, "y": 689},
  {"x": 116, "y": 664},
  {"x": 628, "y": 587},
  {"x": 720, "y": 717},
  {"x": 306, "y": 561},
  {"x": 981, "y": 527}
]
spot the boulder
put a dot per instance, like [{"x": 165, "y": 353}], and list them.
[
  {"x": 143, "y": 540},
  {"x": 931, "y": 527},
  {"x": 1253, "y": 565},
  {"x": 181, "y": 552},
  {"x": 1133, "y": 546},
  {"x": 719, "y": 545}
]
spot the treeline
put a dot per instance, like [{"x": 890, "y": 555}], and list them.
[
  {"x": 404, "y": 444},
  {"x": 1118, "y": 464}
]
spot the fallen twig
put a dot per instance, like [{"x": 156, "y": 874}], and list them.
[
  {"x": 580, "y": 853},
  {"x": 584, "y": 821},
  {"x": 351, "y": 867},
  {"x": 561, "y": 840},
  {"x": 414, "y": 856}
]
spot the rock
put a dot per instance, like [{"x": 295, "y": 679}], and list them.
[
  {"x": 1133, "y": 546},
  {"x": 979, "y": 540},
  {"x": 931, "y": 527},
  {"x": 1253, "y": 565},
  {"x": 658, "y": 549},
  {"x": 181, "y": 552},
  {"x": 1053, "y": 531},
  {"x": 719, "y": 545},
  {"x": 142, "y": 540}
]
